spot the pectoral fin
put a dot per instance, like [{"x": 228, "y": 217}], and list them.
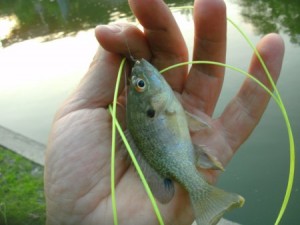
[
  {"x": 195, "y": 123},
  {"x": 205, "y": 160},
  {"x": 162, "y": 188}
]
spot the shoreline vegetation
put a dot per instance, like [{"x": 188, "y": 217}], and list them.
[{"x": 21, "y": 190}]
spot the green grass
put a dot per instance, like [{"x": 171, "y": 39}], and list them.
[{"x": 21, "y": 190}]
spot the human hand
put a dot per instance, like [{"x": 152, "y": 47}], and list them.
[{"x": 77, "y": 169}]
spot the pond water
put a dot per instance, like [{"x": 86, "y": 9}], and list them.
[{"x": 47, "y": 47}]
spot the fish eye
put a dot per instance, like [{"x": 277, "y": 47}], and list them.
[{"x": 140, "y": 85}]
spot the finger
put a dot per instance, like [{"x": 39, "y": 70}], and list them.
[
  {"x": 245, "y": 110},
  {"x": 96, "y": 89},
  {"x": 123, "y": 39},
  {"x": 164, "y": 37},
  {"x": 204, "y": 83}
]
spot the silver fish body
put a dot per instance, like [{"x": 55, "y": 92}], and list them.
[{"x": 158, "y": 126}]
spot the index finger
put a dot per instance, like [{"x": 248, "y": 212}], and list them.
[{"x": 164, "y": 37}]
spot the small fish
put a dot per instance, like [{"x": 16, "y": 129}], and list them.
[{"x": 159, "y": 129}]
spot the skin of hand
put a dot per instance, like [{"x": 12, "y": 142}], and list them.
[{"x": 77, "y": 167}]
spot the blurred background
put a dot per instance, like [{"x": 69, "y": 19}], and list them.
[{"x": 46, "y": 47}]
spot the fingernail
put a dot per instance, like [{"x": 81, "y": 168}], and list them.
[{"x": 112, "y": 28}]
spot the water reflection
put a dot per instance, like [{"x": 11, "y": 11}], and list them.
[
  {"x": 273, "y": 16},
  {"x": 37, "y": 18},
  {"x": 64, "y": 8},
  {"x": 23, "y": 19},
  {"x": 47, "y": 17},
  {"x": 35, "y": 78}
]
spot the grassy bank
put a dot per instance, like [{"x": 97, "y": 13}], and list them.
[{"x": 21, "y": 190}]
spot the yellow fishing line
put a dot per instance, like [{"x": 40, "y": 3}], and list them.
[
  {"x": 113, "y": 144},
  {"x": 115, "y": 124},
  {"x": 138, "y": 169},
  {"x": 276, "y": 97},
  {"x": 288, "y": 125},
  {"x": 227, "y": 66}
]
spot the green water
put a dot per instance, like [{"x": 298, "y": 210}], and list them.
[{"x": 260, "y": 168}]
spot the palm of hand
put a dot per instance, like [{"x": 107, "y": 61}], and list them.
[
  {"x": 82, "y": 140},
  {"x": 77, "y": 170}
]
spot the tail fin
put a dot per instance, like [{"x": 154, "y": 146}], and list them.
[{"x": 210, "y": 204}]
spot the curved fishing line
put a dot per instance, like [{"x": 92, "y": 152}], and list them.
[
  {"x": 292, "y": 151},
  {"x": 115, "y": 124},
  {"x": 113, "y": 144},
  {"x": 278, "y": 101},
  {"x": 227, "y": 66},
  {"x": 138, "y": 169},
  {"x": 287, "y": 122},
  {"x": 276, "y": 97}
]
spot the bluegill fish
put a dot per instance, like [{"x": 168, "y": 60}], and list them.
[{"x": 159, "y": 128}]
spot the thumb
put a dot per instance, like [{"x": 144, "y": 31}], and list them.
[{"x": 96, "y": 89}]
